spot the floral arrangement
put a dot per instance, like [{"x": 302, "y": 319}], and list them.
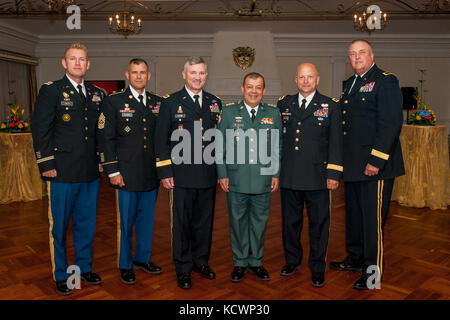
[
  {"x": 423, "y": 115},
  {"x": 14, "y": 122}
]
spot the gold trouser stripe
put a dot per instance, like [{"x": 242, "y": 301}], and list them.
[
  {"x": 329, "y": 226},
  {"x": 119, "y": 234},
  {"x": 171, "y": 217},
  {"x": 335, "y": 167},
  {"x": 379, "y": 228},
  {"x": 163, "y": 163},
  {"x": 379, "y": 154},
  {"x": 50, "y": 230},
  {"x": 45, "y": 159},
  {"x": 111, "y": 162}
]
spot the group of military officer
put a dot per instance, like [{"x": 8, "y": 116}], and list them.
[{"x": 312, "y": 142}]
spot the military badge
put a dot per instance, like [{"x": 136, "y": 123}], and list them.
[
  {"x": 71, "y": 92},
  {"x": 66, "y": 117},
  {"x": 180, "y": 110},
  {"x": 238, "y": 119},
  {"x": 127, "y": 112},
  {"x": 101, "y": 121},
  {"x": 244, "y": 57},
  {"x": 368, "y": 87},
  {"x": 266, "y": 121},
  {"x": 96, "y": 98},
  {"x": 180, "y": 127},
  {"x": 66, "y": 103},
  {"x": 65, "y": 94},
  {"x": 155, "y": 109},
  {"x": 214, "y": 107},
  {"x": 127, "y": 129},
  {"x": 321, "y": 113}
]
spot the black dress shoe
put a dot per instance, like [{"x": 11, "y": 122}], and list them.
[
  {"x": 62, "y": 289},
  {"x": 91, "y": 278},
  {"x": 289, "y": 269},
  {"x": 148, "y": 267},
  {"x": 238, "y": 274},
  {"x": 127, "y": 276},
  {"x": 345, "y": 265},
  {"x": 184, "y": 280},
  {"x": 260, "y": 273},
  {"x": 361, "y": 284},
  {"x": 318, "y": 279},
  {"x": 205, "y": 271}
]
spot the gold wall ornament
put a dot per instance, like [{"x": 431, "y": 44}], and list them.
[{"x": 244, "y": 57}]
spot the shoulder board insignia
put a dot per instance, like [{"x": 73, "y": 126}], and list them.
[
  {"x": 48, "y": 83},
  {"x": 117, "y": 92},
  {"x": 101, "y": 89},
  {"x": 229, "y": 104},
  {"x": 166, "y": 96},
  {"x": 271, "y": 105},
  {"x": 281, "y": 98},
  {"x": 335, "y": 100},
  {"x": 388, "y": 74},
  {"x": 217, "y": 97}
]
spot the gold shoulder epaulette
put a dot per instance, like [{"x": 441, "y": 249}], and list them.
[
  {"x": 166, "y": 96},
  {"x": 229, "y": 104},
  {"x": 271, "y": 105},
  {"x": 388, "y": 74},
  {"x": 281, "y": 98},
  {"x": 101, "y": 89},
  {"x": 335, "y": 100},
  {"x": 48, "y": 83},
  {"x": 217, "y": 97},
  {"x": 117, "y": 92}
]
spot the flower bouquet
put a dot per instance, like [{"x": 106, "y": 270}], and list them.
[
  {"x": 423, "y": 115},
  {"x": 14, "y": 122}
]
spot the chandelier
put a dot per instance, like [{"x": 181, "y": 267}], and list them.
[
  {"x": 370, "y": 20},
  {"x": 122, "y": 25},
  {"x": 53, "y": 5}
]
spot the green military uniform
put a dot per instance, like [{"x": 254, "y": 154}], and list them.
[{"x": 250, "y": 174}]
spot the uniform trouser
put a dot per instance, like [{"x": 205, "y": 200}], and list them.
[
  {"x": 134, "y": 209},
  {"x": 78, "y": 200},
  {"x": 248, "y": 215},
  {"x": 318, "y": 209},
  {"x": 192, "y": 215},
  {"x": 367, "y": 206}
]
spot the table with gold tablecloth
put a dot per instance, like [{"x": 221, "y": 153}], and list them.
[
  {"x": 427, "y": 179},
  {"x": 20, "y": 177}
]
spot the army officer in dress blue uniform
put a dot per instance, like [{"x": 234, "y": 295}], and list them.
[
  {"x": 372, "y": 120},
  {"x": 64, "y": 124},
  {"x": 249, "y": 181},
  {"x": 190, "y": 180},
  {"x": 311, "y": 166},
  {"x": 126, "y": 130}
]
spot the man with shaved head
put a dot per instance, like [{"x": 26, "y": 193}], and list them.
[
  {"x": 372, "y": 117},
  {"x": 311, "y": 167}
]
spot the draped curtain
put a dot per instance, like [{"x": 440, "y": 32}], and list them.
[{"x": 17, "y": 77}]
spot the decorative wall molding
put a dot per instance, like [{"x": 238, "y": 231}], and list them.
[
  {"x": 16, "y": 40},
  {"x": 286, "y": 45}
]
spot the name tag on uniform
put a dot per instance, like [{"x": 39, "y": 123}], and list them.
[
  {"x": 67, "y": 103},
  {"x": 180, "y": 115},
  {"x": 127, "y": 115}
]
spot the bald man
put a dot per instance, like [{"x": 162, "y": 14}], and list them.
[
  {"x": 371, "y": 106},
  {"x": 311, "y": 167}
]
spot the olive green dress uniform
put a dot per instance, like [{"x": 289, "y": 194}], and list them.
[
  {"x": 64, "y": 138},
  {"x": 372, "y": 120},
  {"x": 249, "y": 190},
  {"x": 192, "y": 199},
  {"x": 312, "y": 153}
]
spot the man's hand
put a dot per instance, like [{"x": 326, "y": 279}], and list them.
[
  {"x": 168, "y": 183},
  {"x": 224, "y": 184},
  {"x": 371, "y": 170},
  {"x": 117, "y": 180},
  {"x": 100, "y": 168},
  {"x": 332, "y": 184},
  {"x": 275, "y": 184},
  {"x": 49, "y": 173}
]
